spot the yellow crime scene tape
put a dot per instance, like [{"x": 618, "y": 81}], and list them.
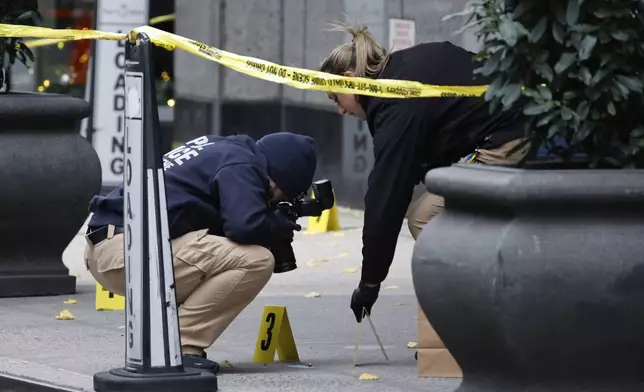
[
  {"x": 291, "y": 76},
  {"x": 46, "y": 42}
]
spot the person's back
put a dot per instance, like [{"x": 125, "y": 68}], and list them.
[
  {"x": 189, "y": 170},
  {"x": 192, "y": 194},
  {"x": 456, "y": 125},
  {"x": 222, "y": 226},
  {"x": 212, "y": 182}
]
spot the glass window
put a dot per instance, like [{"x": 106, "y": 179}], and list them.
[{"x": 62, "y": 68}]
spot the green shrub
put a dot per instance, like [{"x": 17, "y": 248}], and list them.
[
  {"x": 576, "y": 65},
  {"x": 20, "y": 12}
]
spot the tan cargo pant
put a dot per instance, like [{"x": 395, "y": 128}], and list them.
[
  {"x": 215, "y": 280},
  {"x": 428, "y": 205}
]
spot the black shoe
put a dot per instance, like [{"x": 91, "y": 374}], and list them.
[{"x": 200, "y": 362}]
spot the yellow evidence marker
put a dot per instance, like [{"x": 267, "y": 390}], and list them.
[
  {"x": 106, "y": 300},
  {"x": 275, "y": 334},
  {"x": 328, "y": 221}
]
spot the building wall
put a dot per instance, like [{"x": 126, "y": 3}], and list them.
[{"x": 214, "y": 99}]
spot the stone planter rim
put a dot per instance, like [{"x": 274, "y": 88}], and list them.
[
  {"x": 17, "y": 105},
  {"x": 510, "y": 186}
]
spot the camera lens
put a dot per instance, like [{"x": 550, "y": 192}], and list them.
[
  {"x": 284, "y": 258},
  {"x": 284, "y": 267}
]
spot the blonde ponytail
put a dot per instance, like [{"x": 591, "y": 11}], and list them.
[{"x": 363, "y": 56}]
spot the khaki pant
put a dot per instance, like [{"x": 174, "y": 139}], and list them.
[
  {"x": 429, "y": 205},
  {"x": 215, "y": 280}
]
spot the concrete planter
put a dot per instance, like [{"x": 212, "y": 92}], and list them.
[
  {"x": 534, "y": 279},
  {"x": 49, "y": 173}
]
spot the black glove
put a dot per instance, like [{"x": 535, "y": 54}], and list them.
[
  {"x": 364, "y": 297},
  {"x": 283, "y": 227},
  {"x": 291, "y": 219}
]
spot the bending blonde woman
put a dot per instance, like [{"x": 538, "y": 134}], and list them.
[{"x": 411, "y": 136}]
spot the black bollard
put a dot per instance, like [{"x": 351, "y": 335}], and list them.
[{"x": 153, "y": 349}]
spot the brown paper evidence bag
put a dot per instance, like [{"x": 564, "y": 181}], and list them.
[{"x": 434, "y": 359}]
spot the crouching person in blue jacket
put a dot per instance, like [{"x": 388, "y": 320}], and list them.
[{"x": 218, "y": 192}]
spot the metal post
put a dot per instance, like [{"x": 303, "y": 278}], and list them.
[
  {"x": 153, "y": 349},
  {"x": 89, "y": 129}
]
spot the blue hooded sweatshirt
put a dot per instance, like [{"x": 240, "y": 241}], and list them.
[{"x": 221, "y": 184}]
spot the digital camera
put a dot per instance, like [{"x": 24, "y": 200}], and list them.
[{"x": 323, "y": 199}]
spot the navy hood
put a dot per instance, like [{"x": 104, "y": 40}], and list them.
[{"x": 291, "y": 159}]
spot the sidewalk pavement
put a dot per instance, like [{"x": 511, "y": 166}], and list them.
[{"x": 36, "y": 345}]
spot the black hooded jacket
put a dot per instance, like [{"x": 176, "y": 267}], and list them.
[
  {"x": 415, "y": 134},
  {"x": 221, "y": 184}
]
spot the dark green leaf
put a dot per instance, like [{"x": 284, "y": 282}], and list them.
[
  {"x": 522, "y": 7},
  {"x": 599, "y": 76},
  {"x": 511, "y": 93},
  {"x": 587, "y": 45},
  {"x": 585, "y": 76},
  {"x": 491, "y": 63},
  {"x": 544, "y": 120},
  {"x": 630, "y": 83},
  {"x": 532, "y": 93},
  {"x": 565, "y": 61},
  {"x": 466, "y": 11},
  {"x": 533, "y": 109},
  {"x": 545, "y": 71},
  {"x": 31, "y": 18},
  {"x": 539, "y": 29},
  {"x": 508, "y": 32},
  {"x": 605, "y": 58},
  {"x": 545, "y": 93},
  {"x": 637, "y": 132},
  {"x": 468, "y": 26},
  {"x": 568, "y": 95},
  {"x": 583, "y": 131},
  {"x": 603, "y": 36},
  {"x": 623, "y": 12},
  {"x": 618, "y": 93},
  {"x": 575, "y": 40},
  {"x": 572, "y": 13},
  {"x": 521, "y": 30},
  {"x": 560, "y": 12},
  {"x": 558, "y": 33},
  {"x": 553, "y": 130},
  {"x": 623, "y": 91},
  {"x": 507, "y": 62},
  {"x": 593, "y": 94},
  {"x": 585, "y": 28},
  {"x": 619, "y": 35},
  {"x": 493, "y": 89},
  {"x": 566, "y": 113},
  {"x": 542, "y": 57},
  {"x": 603, "y": 13},
  {"x": 611, "y": 108},
  {"x": 583, "y": 109}
]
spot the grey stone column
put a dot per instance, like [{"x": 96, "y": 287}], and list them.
[{"x": 197, "y": 81}]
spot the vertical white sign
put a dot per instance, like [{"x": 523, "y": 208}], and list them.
[
  {"x": 109, "y": 89},
  {"x": 133, "y": 208},
  {"x": 402, "y": 34}
]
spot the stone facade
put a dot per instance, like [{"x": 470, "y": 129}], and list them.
[{"x": 214, "y": 99}]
